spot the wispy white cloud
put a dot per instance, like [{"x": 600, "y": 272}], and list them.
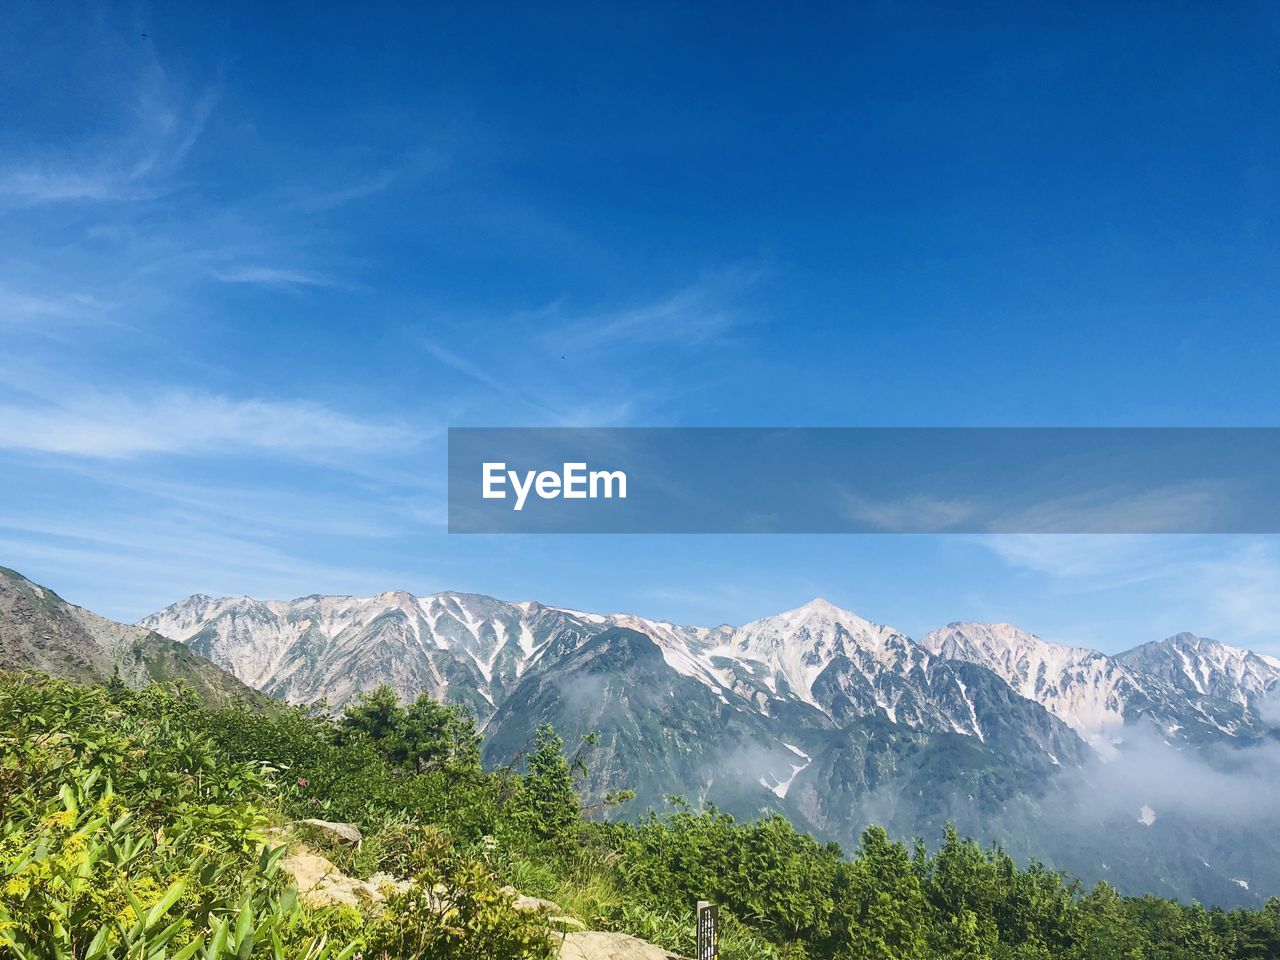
[
  {"x": 915, "y": 513},
  {"x": 1104, "y": 558},
  {"x": 42, "y": 185},
  {"x": 330, "y": 198},
  {"x": 349, "y": 511},
  {"x": 155, "y": 560},
  {"x": 700, "y": 313},
  {"x": 586, "y": 369},
  {"x": 1244, "y": 584},
  {"x": 132, "y": 165},
  {"x": 472, "y": 370},
  {"x": 1175, "y": 507},
  {"x": 19, "y": 307},
  {"x": 274, "y": 277},
  {"x": 187, "y": 422},
  {"x": 571, "y": 413},
  {"x": 1099, "y": 511},
  {"x": 1233, "y": 580},
  {"x": 338, "y": 190}
]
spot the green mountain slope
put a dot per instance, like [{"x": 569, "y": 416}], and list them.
[{"x": 40, "y": 631}]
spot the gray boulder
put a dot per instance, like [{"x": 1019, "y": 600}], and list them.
[{"x": 347, "y": 834}]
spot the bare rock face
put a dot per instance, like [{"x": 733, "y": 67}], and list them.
[
  {"x": 41, "y": 631},
  {"x": 347, "y": 834},
  {"x": 594, "y": 945},
  {"x": 321, "y": 884}
]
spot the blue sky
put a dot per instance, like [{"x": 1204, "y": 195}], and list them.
[{"x": 254, "y": 265}]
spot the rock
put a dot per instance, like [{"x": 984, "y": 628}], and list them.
[
  {"x": 344, "y": 833},
  {"x": 321, "y": 884},
  {"x": 388, "y": 884},
  {"x": 594, "y": 945},
  {"x": 535, "y": 905},
  {"x": 530, "y": 904}
]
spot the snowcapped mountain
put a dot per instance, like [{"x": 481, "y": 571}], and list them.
[
  {"x": 850, "y": 669},
  {"x": 1085, "y": 689},
  {"x": 1188, "y": 687},
  {"x": 788, "y": 652},
  {"x": 816, "y": 712},
  {"x": 455, "y": 646},
  {"x": 750, "y": 713},
  {"x": 816, "y": 661},
  {"x": 1201, "y": 667},
  {"x": 816, "y": 665}
]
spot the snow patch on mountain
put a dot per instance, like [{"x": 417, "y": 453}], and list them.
[
  {"x": 1085, "y": 689},
  {"x": 781, "y": 787},
  {"x": 476, "y": 649},
  {"x": 1204, "y": 667},
  {"x": 795, "y": 647}
]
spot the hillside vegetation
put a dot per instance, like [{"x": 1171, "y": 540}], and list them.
[
  {"x": 39, "y": 630},
  {"x": 146, "y": 824}
]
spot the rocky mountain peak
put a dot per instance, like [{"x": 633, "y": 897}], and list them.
[{"x": 1203, "y": 667}]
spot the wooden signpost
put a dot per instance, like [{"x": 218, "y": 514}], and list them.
[{"x": 708, "y": 931}]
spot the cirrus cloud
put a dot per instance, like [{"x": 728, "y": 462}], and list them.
[{"x": 189, "y": 422}]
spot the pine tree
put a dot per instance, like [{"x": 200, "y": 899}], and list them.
[
  {"x": 550, "y": 799},
  {"x": 882, "y": 902},
  {"x": 116, "y": 689}
]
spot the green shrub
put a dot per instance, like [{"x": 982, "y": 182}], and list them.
[
  {"x": 456, "y": 910},
  {"x": 124, "y": 836},
  {"x": 132, "y": 826}
]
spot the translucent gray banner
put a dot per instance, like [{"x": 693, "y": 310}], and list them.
[{"x": 864, "y": 480}]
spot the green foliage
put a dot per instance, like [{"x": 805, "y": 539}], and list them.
[
  {"x": 426, "y": 735},
  {"x": 456, "y": 910},
  {"x": 764, "y": 872},
  {"x": 550, "y": 804},
  {"x": 880, "y": 904},
  {"x": 133, "y": 825},
  {"x": 123, "y": 835},
  {"x": 962, "y": 901},
  {"x": 337, "y": 771}
]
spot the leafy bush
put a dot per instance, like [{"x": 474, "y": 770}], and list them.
[
  {"x": 134, "y": 825},
  {"x": 456, "y": 910},
  {"x": 424, "y": 736},
  {"x": 549, "y": 806},
  {"x": 123, "y": 836}
]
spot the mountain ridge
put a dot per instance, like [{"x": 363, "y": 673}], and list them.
[
  {"x": 478, "y": 647},
  {"x": 816, "y": 713},
  {"x": 40, "y": 630},
  {"x": 1098, "y": 695}
]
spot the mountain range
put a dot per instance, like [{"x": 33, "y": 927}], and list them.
[
  {"x": 1085, "y": 760},
  {"x": 829, "y": 718},
  {"x": 817, "y": 667}
]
